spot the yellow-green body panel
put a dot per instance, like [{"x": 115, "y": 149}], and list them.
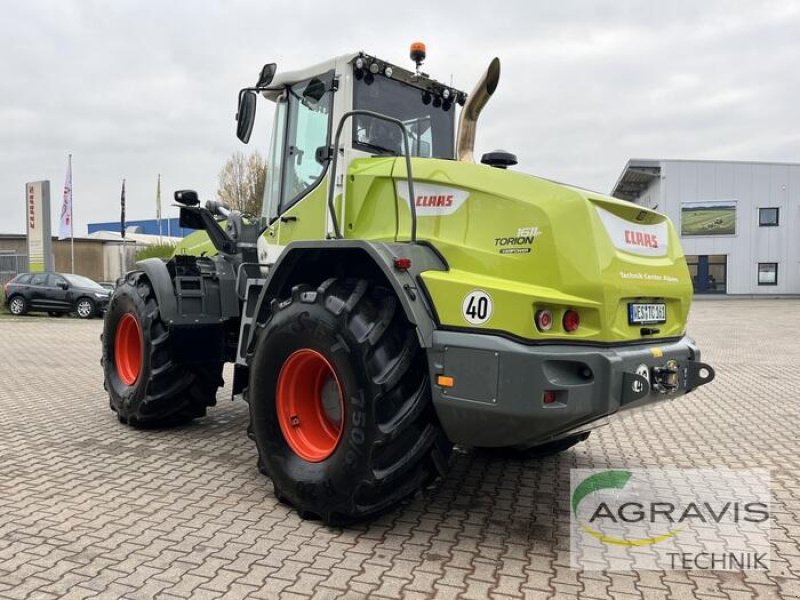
[
  {"x": 568, "y": 259},
  {"x": 571, "y": 263},
  {"x": 305, "y": 220},
  {"x": 195, "y": 244}
]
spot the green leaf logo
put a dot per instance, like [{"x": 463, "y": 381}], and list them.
[{"x": 610, "y": 480}]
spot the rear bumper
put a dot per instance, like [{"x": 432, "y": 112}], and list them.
[{"x": 498, "y": 394}]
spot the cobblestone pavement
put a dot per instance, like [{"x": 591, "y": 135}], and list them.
[{"x": 91, "y": 508}]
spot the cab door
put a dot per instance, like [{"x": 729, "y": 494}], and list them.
[{"x": 297, "y": 176}]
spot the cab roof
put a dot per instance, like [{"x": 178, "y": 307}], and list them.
[{"x": 282, "y": 79}]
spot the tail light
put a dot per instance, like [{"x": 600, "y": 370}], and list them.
[
  {"x": 549, "y": 396},
  {"x": 571, "y": 321},
  {"x": 402, "y": 263},
  {"x": 544, "y": 320}
]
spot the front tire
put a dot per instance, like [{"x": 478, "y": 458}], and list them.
[
  {"x": 340, "y": 403},
  {"x": 145, "y": 387}
]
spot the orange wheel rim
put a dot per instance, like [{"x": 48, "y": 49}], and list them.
[
  {"x": 310, "y": 405},
  {"x": 128, "y": 349}
]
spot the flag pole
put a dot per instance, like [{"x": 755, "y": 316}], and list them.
[
  {"x": 158, "y": 208},
  {"x": 71, "y": 221},
  {"x": 66, "y": 228},
  {"x": 122, "y": 227}
]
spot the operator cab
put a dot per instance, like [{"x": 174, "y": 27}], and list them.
[
  {"x": 310, "y": 104},
  {"x": 424, "y": 106}
]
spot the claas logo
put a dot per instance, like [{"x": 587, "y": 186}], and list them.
[
  {"x": 637, "y": 238},
  {"x": 433, "y": 201}
]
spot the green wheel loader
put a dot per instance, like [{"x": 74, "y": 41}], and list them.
[{"x": 395, "y": 298}]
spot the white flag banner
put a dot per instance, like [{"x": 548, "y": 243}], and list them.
[{"x": 65, "y": 222}]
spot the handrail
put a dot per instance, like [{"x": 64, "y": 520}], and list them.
[{"x": 368, "y": 113}]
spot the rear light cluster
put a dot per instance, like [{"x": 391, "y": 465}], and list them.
[
  {"x": 544, "y": 320},
  {"x": 571, "y": 321}
]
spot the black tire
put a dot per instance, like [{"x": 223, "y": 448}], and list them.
[
  {"x": 163, "y": 393},
  {"x": 17, "y": 305},
  {"x": 391, "y": 442},
  {"x": 85, "y": 307}
]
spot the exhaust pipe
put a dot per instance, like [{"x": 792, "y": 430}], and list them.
[{"x": 467, "y": 121}]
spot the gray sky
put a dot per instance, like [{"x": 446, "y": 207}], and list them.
[{"x": 137, "y": 88}]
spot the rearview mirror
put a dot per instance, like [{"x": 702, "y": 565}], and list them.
[
  {"x": 246, "y": 115},
  {"x": 267, "y": 73},
  {"x": 63, "y": 285},
  {"x": 186, "y": 197}
]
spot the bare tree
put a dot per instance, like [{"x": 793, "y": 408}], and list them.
[{"x": 241, "y": 182}]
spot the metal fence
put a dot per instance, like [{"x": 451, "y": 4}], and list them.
[{"x": 11, "y": 264}]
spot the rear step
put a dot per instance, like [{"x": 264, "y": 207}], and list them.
[{"x": 252, "y": 290}]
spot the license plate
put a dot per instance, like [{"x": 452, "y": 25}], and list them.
[{"x": 647, "y": 313}]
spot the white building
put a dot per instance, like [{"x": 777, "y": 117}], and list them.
[{"x": 738, "y": 221}]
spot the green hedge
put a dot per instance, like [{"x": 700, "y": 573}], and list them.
[{"x": 155, "y": 251}]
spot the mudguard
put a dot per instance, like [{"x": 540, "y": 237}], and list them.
[
  {"x": 405, "y": 282},
  {"x": 160, "y": 280}
]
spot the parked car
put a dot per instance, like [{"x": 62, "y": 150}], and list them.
[{"x": 56, "y": 294}]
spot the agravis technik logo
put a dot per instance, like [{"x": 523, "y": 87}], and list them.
[{"x": 669, "y": 519}]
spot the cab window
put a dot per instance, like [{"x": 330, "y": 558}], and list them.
[
  {"x": 272, "y": 187},
  {"x": 307, "y": 129},
  {"x": 39, "y": 279},
  {"x": 431, "y": 128}
]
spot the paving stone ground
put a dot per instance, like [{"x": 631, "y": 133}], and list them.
[{"x": 92, "y": 508}]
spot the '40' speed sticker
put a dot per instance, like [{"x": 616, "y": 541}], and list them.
[{"x": 477, "y": 307}]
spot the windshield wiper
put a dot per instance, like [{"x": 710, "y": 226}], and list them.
[{"x": 378, "y": 148}]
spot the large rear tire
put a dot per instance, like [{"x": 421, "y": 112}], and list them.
[
  {"x": 145, "y": 387},
  {"x": 340, "y": 403}
]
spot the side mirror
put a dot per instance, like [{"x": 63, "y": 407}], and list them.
[
  {"x": 63, "y": 285},
  {"x": 267, "y": 73},
  {"x": 187, "y": 197},
  {"x": 246, "y": 115}
]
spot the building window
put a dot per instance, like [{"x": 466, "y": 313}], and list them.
[
  {"x": 709, "y": 273},
  {"x": 767, "y": 273},
  {"x": 768, "y": 217}
]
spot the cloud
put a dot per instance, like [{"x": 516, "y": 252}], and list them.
[{"x": 133, "y": 89}]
